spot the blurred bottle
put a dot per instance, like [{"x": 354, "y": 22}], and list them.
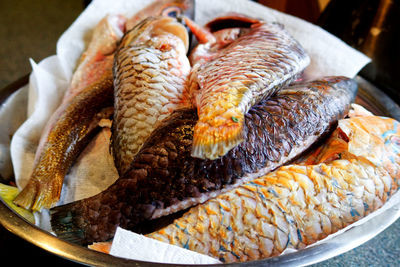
[{"x": 372, "y": 27}]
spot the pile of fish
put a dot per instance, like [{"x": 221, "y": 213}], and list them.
[
  {"x": 208, "y": 127},
  {"x": 351, "y": 175}
]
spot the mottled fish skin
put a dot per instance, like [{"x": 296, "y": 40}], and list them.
[
  {"x": 252, "y": 67},
  {"x": 63, "y": 138},
  {"x": 165, "y": 178},
  {"x": 297, "y": 205},
  {"x": 150, "y": 72}
]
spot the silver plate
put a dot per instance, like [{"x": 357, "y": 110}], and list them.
[{"x": 368, "y": 95}]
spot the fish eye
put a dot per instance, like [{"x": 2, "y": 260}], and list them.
[{"x": 172, "y": 11}]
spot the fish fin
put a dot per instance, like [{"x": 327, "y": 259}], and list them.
[
  {"x": 203, "y": 35},
  {"x": 8, "y": 193},
  {"x": 26, "y": 197},
  {"x": 66, "y": 224},
  {"x": 37, "y": 195},
  {"x": 215, "y": 137}
]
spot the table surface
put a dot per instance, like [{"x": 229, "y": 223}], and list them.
[{"x": 30, "y": 29}]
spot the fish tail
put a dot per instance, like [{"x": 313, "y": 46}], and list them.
[
  {"x": 39, "y": 194},
  {"x": 214, "y": 137},
  {"x": 67, "y": 223},
  {"x": 26, "y": 197}
]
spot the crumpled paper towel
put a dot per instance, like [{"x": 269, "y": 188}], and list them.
[
  {"x": 127, "y": 244},
  {"x": 50, "y": 79}
]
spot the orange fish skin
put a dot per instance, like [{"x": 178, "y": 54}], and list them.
[{"x": 223, "y": 88}]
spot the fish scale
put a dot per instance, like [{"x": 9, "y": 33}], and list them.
[
  {"x": 333, "y": 194},
  {"x": 149, "y": 83}
]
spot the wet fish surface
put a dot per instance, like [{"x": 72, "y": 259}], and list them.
[
  {"x": 150, "y": 72},
  {"x": 74, "y": 122},
  {"x": 164, "y": 178},
  {"x": 254, "y": 64},
  {"x": 297, "y": 205}
]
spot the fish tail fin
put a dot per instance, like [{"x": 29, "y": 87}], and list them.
[
  {"x": 67, "y": 223},
  {"x": 8, "y": 193},
  {"x": 26, "y": 197},
  {"x": 38, "y": 194},
  {"x": 214, "y": 137}
]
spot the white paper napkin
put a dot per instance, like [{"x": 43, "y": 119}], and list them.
[{"x": 130, "y": 245}]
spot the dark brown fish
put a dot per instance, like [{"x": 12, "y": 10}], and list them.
[{"x": 164, "y": 178}]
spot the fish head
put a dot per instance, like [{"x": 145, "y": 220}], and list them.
[
  {"x": 170, "y": 8},
  {"x": 160, "y": 31}
]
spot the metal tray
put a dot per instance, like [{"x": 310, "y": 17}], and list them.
[{"x": 368, "y": 95}]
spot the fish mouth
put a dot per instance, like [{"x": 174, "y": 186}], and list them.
[{"x": 154, "y": 26}]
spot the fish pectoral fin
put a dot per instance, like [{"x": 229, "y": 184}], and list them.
[{"x": 215, "y": 137}]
